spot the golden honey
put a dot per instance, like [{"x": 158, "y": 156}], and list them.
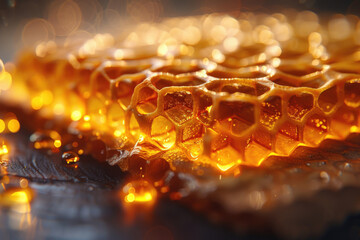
[{"x": 215, "y": 89}]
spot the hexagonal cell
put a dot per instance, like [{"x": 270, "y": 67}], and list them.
[
  {"x": 299, "y": 105},
  {"x": 287, "y": 138},
  {"x": 270, "y": 111},
  {"x": 163, "y": 132},
  {"x": 352, "y": 93},
  {"x": 194, "y": 147},
  {"x": 178, "y": 106},
  {"x": 315, "y": 129},
  {"x": 205, "y": 106},
  {"x": 328, "y": 99},
  {"x": 193, "y": 130},
  {"x": 342, "y": 121},
  {"x": 236, "y": 116},
  {"x": 191, "y": 137},
  {"x": 290, "y": 130},
  {"x": 226, "y": 158},
  {"x": 263, "y": 137},
  {"x": 161, "y": 82},
  {"x": 147, "y": 100},
  {"x": 255, "y": 153},
  {"x": 219, "y": 141}
]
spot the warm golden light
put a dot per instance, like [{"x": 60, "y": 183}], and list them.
[
  {"x": 76, "y": 115},
  {"x": 16, "y": 198},
  {"x": 57, "y": 143},
  {"x": 13, "y": 125},
  {"x": 5, "y": 81},
  {"x": 218, "y": 90},
  {"x": 3, "y": 149},
  {"x": 46, "y": 140},
  {"x": 2, "y": 126},
  {"x": 139, "y": 191}
]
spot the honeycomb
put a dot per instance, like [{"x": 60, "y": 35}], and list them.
[{"x": 215, "y": 89}]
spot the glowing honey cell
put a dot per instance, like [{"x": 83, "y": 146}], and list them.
[
  {"x": 205, "y": 106},
  {"x": 236, "y": 116},
  {"x": 226, "y": 158},
  {"x": 270, "y": 111},
  {"x": 147, "y": 101},
  {"x": 287, "y": 139},
  {"x": 192, "y": 130},
  {"x": 352, "y": 96},
  {"x": 255, "y": 153},
  {"x": 163, "y": 132},
  {"x": 315, "y": 129},
  {"x": 299, "y": 105},
  {"x": 221, "y": 91},
  {"x": 194, "y": 147},
  {"x": 179, "y": 106},
  {"x": 342, "y": 121},
  {"x": 264, "y": 138},
  {"x": 328, "y": 99}
]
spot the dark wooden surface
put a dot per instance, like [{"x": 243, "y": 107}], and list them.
[{"x": 83, "y": 203}]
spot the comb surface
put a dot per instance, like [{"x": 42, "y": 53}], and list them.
[{"x": 215, "y": 89}]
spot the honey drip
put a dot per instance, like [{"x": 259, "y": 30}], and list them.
[{"x": 216, "y": 89}]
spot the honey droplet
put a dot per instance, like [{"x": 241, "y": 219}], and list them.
[
  {"x": 139, "y": 191},
  {"x": 70, "y": 157}
]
